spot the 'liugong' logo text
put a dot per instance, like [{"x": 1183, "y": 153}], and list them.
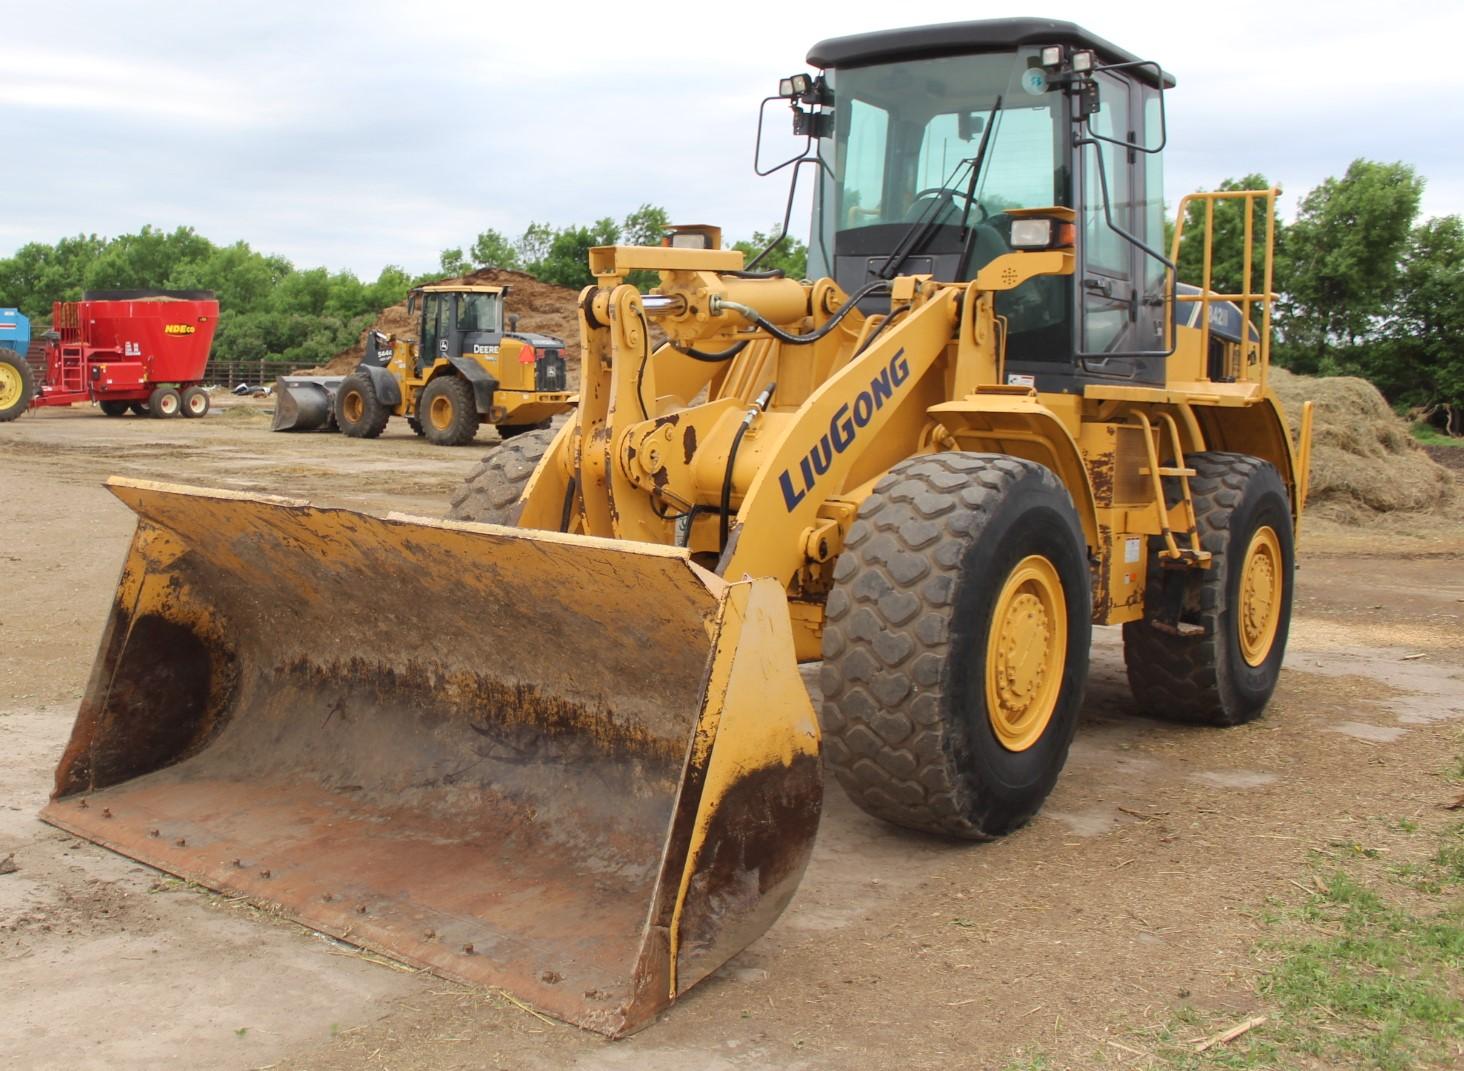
[{"x": 844, "y": 428}]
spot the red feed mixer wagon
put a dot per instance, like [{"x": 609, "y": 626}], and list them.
[{"x": 142, "y": 351}]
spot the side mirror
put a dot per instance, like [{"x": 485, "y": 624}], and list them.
[{"x": 969, "y": 124}]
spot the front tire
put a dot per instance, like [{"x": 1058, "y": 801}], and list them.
[
  {"x": 358, "y": 412},
  {"x": 491, "y": 492},
  {"x": 1243, "y": 601},
  {"x": 448, "y": 411},
  {"x": 164, "y": 402},
  {"x": 17, "y": 388},
  {"x": 956, "y": 644},
  {"x": 195, "y": 402},
  {"x": 114, "y": 408}
]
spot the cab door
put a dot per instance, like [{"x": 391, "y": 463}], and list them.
[
  {"x": 1106, "y": 284},
  {"x": 1120, "y": 284},
  {"x": 437, "y": 327}
]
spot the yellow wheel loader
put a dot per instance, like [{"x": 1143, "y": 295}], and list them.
[
  {"x": 587, "y": 769},
  {"x": 463, "y": 369}
]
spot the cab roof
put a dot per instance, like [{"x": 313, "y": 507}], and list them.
[
  {"x": 462, "y": 288},
  {"x": 961, "y": 38}
]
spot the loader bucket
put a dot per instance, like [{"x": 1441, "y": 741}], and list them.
[
  {"x": 304, "y": 403},
  {"x": 581, "y": 770}
]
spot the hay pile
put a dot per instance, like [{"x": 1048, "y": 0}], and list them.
[
  {"x": 1364, "y": 461},
  {"x": 541, "y": 307}
]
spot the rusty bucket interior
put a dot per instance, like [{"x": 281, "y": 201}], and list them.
[{"x": 580, "y": 770}]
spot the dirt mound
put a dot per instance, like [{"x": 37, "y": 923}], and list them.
[
  {"x": 540, "y": 307},
  {"x": 1364, "y": 461}
]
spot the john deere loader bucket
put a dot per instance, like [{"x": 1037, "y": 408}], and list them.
[
  {"x": 304, "y": 403},
  {"x": 581, "y": 770}
]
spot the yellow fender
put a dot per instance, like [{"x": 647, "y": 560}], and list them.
[{"x": 1020, "y": 425}]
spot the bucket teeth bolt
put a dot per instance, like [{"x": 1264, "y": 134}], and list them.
[
  {"x": 182, "y": 842},
  {"x": 264, "y": 874}
]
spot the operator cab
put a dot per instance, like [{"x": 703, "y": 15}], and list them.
[
  {"x": 456, "y": 322},
  {"x": 934, "y": 142}
]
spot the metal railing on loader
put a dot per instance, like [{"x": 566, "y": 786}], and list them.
[{"x": 1248, "y": 297}]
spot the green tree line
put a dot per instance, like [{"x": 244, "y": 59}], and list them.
[
  {"x": 267, "y": 306},
  {"x": 561, "y": 255},
  {"x": 1364, "y": 287}
]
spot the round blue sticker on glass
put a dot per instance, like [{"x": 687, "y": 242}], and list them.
[{"x": 1034, "y": 81}]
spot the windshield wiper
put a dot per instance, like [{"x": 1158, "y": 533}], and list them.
[
  {"x": 980, "y": 156},
  {"x": 923, "y": 228}
]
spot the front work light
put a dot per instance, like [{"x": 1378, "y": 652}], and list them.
[
  {"x": 1031, "y": 233},
  {"x": 1042, "y": 234},
  {"x": 795, "y": 86}
]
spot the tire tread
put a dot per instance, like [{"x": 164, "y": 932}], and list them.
[
  {"x": 1178, "y": 678},
  {"x": 887, "y": 640}
]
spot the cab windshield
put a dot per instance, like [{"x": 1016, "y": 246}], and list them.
[
  {"x": 906, "y": 138},
  {"x": 478, "y": 312}
]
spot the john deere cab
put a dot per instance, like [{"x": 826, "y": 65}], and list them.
[{"x": 462, "y": 370}]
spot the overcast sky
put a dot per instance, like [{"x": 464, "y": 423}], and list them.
[{"x": 353, "y": 135}]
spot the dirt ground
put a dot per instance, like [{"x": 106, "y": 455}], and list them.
[{"x": 1132, "y": 895}]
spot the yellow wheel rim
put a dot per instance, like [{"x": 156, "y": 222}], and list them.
[
  {"x": 1025, "y": 652},
  {"x": 440, "y": 412},
  {"x": 354, "y": 407},
  {"x": 10, "y": 386},
  {"x": 1261, "y": 580}
]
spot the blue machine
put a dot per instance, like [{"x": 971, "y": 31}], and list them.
[{"x": 14, "y": 331}]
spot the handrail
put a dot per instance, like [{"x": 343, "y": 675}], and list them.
[{"x": 1248, "y": 297}]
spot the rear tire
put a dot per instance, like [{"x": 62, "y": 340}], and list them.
[
  {"x": 510, "y": 431},
  {"x": 115, "y": 408},
  {"x": 955, "y": 562},
  {"x": 195, "y": 402},
  {"x": 17, "y": 388},
  {"x": 358, "y": 412},
  {"x": 415, "y": 425},
  {"x": 448, "y": 411},
  {"x": 491, "y": 492},
  {"x": 139, "y": 408},
  {"x": 1243, "y": 601},
  {"x": 164, "y": 402}
]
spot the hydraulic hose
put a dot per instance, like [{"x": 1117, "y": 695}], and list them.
[
  {"x": 712, "y": 358},
  {"x": 760, "y": 405},
  {"x": 754, "y": 317}
]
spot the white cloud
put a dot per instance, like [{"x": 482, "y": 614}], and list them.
[{"x": 54, "y": 80}]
